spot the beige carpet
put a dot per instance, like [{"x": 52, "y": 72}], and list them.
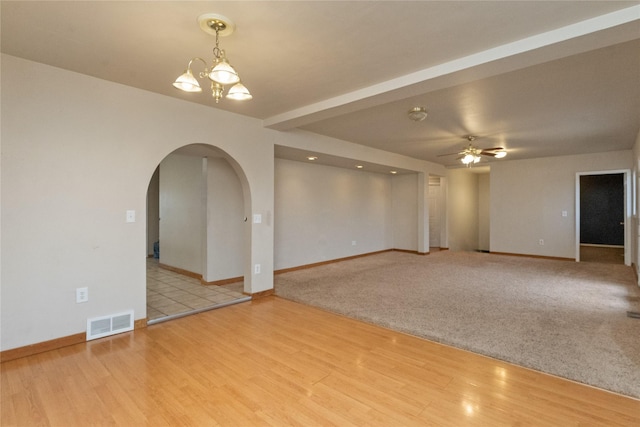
[{"x": 560, "y": 317}]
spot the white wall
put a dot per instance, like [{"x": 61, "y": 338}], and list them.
[
  {"x": 181, "y": 212},
  {"x": 462, "y": 209},
  {"x": 321, "y": 210},
  {"x": 225, "y": 222},
  {"x": 404, "y": 205},
  {"x": 528, "y": 197}
]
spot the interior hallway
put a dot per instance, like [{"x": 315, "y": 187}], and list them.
[
  {"x": 600, "y": 254},
  {"x": 171, "y": 295}
]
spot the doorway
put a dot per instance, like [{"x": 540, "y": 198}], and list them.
[
  {"x": 195, "y": 234},
  {"x": 601, "y": 217}
]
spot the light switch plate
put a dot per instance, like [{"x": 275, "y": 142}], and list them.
[
  {"x": 257, "y": 218},
  {"x": 131, "y": 216},
  {"x": 82, "y": 295}
]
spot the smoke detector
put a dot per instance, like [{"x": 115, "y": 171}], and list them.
[{"x": 417, "y": 114}]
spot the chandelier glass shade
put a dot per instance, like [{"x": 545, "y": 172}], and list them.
[
  {"x": 223, "y": 72},
  {"x": 220, "y": 73},
  {"x": 187, "y": 82}
]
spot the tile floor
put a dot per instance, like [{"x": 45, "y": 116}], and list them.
[{"x": 171, "y": 294}]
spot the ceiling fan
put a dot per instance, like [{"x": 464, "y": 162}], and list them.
[{"x": 472, "y": 154}]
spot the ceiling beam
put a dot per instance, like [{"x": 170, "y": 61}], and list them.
[{"x": 605, "y": 30}]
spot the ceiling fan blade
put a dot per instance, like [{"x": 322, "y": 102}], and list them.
[
  {"x": 493, "y": 149},
  {"x": 484, "y": 153}
]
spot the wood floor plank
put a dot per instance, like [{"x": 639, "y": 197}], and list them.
[{"x": 273, "y": 362}]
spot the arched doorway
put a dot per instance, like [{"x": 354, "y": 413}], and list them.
[{"x": 196, "y": 233}]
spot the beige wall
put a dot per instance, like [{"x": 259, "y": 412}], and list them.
[
  {"x": 225, "y": 245},
  {"x": 181, "y": 212},
  {"x": 635, "y": 235},
  {"x": 404, "y": 205},
  {"x": 321, "y": 211},
  {"x": 153, "y": 211},
  {"x": 484, "y": 212},
  {"x": 528, "y": 197},
  {"x": 77, "y": 153},
  {"x": 462, "y": 209}
]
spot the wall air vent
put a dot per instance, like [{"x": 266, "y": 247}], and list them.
[{"x": 99, "y": 327}]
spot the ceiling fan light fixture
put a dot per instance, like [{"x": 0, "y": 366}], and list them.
[
  {"x": 472, "y": 154},
  {"x": 468, "y": 159},
  {"x": 417, "y": 114}
]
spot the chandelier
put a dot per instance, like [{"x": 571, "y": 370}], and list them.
[{"x": 220, "y": 73}]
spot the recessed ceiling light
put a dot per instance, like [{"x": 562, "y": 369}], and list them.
[
  {"x": 312, "y": 158},
  {"x": 359, "y": 166},
  {"x": 393, "y": 172}
]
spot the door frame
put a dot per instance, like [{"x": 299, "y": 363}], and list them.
[{"x": 627, "y": 187}]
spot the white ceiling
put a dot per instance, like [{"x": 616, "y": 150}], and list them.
[{"x": 540, "y": 78}]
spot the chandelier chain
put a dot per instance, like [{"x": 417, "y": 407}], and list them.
[{"x": 216, "y": 49}]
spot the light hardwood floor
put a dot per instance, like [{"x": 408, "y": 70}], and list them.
[{"x": 276, "y": 362}]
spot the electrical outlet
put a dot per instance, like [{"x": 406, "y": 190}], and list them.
[
  {"x": 541, "y": 242},
  {"x": 82, "y": 295},
  {"x": 256, "y": 269}
]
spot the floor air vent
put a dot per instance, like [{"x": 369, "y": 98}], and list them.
[{"x": 99, "y": 327}]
